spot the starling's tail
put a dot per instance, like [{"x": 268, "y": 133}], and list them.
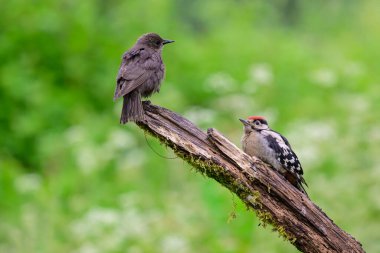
[{"x": 132, "y": 108}]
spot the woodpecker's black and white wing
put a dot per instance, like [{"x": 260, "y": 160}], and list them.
[{"x": 288, "y": 159}]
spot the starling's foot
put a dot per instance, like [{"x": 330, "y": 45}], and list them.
[{"x": 147, "y": 102}]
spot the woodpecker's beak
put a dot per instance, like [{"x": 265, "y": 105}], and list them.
[
  {"x": 245, "y": 123},
  {"x": 167, "y": 41}
]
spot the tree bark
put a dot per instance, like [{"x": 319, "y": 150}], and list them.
[{"x": 275, "y": 201}]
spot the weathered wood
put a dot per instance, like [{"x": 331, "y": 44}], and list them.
[{"x": 274, "y": 201}]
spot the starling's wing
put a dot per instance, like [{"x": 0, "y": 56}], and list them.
[
  {"x": 131, "y": 74},
  {"x": 130, "y": 79}
]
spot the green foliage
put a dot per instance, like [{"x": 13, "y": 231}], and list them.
[{"x": 73, "y": 180}]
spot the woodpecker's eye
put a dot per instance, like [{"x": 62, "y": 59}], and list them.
[{"x": 257, "y": 123}]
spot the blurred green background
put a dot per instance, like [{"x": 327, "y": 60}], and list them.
[{"x": 73, "y": 180}]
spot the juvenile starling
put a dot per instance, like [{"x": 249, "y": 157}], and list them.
[{"x": 140, "y": 74}]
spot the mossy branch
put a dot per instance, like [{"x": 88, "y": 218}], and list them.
[{"x": 275, "y": 202}]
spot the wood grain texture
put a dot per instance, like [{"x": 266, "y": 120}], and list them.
[{"x": 274, "y": 200}]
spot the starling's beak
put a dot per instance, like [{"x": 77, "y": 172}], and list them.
[
  {"x": 244, "y": 122},
  {"x": 167, "y": 41}
]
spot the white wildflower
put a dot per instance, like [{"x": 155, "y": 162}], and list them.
[
  {"x": 220, "y": 82},
  {"x": 174, "y": 243},
  {"x": 120, "y": 139},
  {"x": 324, "y": 77},
  {"x": 88, "y": 248},
  {"x": 134, "y": 223},
  {"x": 261, "y": 73},
  {"x": 199, "y": 115},
  {"x": 374, "y": 134},
  {"x": 353, "y": 69},
  {"x": 132, "y": 159},
  {"x": 103, "y": 216},
  {"x": 359, "y": 103},
  {"x": 94, "y": 222},
  {"x": 128, "y": 200},
  {"x": 75, "y": 134},
  {"x": 236, "y": 103},
  {"x": 28, "y": 183},
  {"x": 87, "y": 159}
]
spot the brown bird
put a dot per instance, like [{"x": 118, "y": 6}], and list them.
[{"x": 140, "y": 74}]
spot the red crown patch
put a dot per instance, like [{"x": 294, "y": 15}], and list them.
[{"x": 255, "y": 117}]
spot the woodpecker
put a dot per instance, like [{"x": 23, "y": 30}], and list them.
[{"x": 273, "y": 148}]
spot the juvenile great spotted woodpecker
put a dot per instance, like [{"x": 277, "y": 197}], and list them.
[{"x": 273, "y": 148}]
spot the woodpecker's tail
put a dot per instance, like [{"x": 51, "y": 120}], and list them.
[
  {"x": 132, "y": 108},
  {"x": 302, "y": 189},
  {"x": 300, "y": 186},
  {"x": 297, "y": 181}
]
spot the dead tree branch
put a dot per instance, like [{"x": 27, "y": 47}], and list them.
[{"x": 274, "y": 201}]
